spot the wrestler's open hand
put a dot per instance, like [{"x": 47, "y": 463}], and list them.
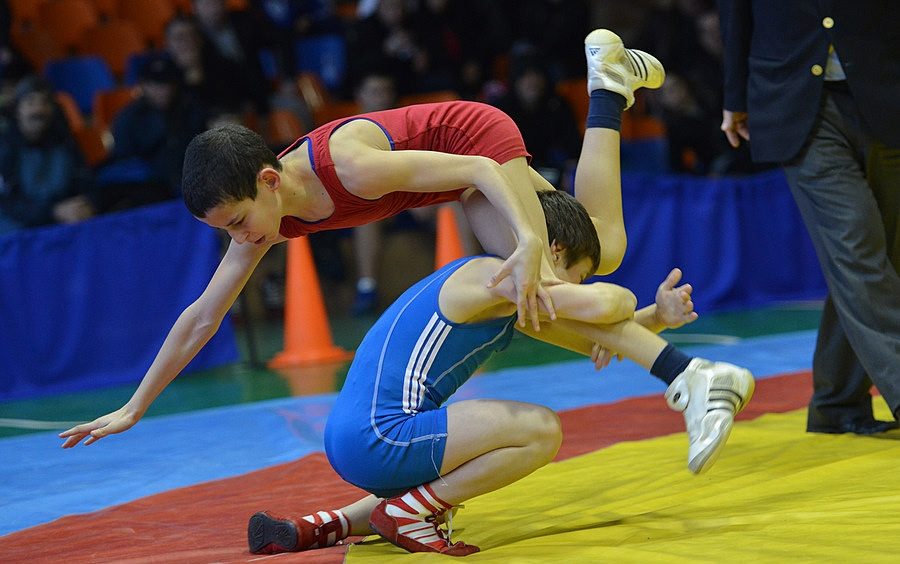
[
  {"x": 674, "y": 307},
  {"x": 120, "y": 420},
  {"x": 525, "y": 267}
]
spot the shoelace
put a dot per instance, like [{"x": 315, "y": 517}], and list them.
[{"x": 447, "y": 516}]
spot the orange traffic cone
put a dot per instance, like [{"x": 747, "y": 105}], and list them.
[
  {"x": 307, "y": 336},
  {"x": 448, "y": 245}
]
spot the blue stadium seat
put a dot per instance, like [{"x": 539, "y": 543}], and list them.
[
  {"x": 269, "y": 63},
  {"x": 81, "y": 77},
  {"x": 134, "y": 65},
  {"x": 323, "y": 55}
]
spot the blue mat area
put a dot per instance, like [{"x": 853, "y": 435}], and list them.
[{"x": 40, "y": 482}]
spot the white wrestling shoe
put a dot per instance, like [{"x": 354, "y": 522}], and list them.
[
  {"x": 709, "y": 394},
  {"x": 613, "y": 67}
]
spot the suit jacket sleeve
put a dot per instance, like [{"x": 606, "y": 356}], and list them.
[{"x": 736, "y": 22}]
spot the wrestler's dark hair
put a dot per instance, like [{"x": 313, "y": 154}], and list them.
[
  {"x": 569, "y": 224},
  {"x": 221, "y": 165}
]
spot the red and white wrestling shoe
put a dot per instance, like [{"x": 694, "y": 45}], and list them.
[
  {"x": 267, "y": 534},
  {"x": 410, "y": 522}
]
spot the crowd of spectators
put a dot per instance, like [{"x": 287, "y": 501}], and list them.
[{"x": 226, "y": 61}]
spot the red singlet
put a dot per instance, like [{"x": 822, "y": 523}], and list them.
[{"x": 461, "y": 128}]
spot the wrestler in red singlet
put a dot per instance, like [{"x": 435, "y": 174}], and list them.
[{"x": 462, "y": 128}]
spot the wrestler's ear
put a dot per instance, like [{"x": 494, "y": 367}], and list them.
[
  {"x": 269, "y": 177},
  {"x": 557, "y": 252}
]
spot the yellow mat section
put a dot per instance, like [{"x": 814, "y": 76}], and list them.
[{"x": 777, "y": 494}]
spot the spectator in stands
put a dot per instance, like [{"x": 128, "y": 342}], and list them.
[
  {"x": 549, "y": 26},
  {"x": 203, "y": 75},
  {"x": 686, "y": 34},
  {"x": 385, "y": 39},
  {"x": 461, "y": 39},
  {"x": 235, "y": 38},
  {"x": 545, "y": 120},
  {"x": 43, "y": 176},
  {"x": 150, "y": 136},
  {"x": 291, "y": 20},
  {"x": 13, "y": 68}
]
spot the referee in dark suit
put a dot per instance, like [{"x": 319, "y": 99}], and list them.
[{"x": 815, "y": 85}]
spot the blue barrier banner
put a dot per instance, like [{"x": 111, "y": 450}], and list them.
[
  {"x": 88, "y": 305},
  {"x": 739, "y": 241}
]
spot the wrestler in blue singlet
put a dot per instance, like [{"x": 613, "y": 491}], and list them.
[{"x": 387, "y": 430}]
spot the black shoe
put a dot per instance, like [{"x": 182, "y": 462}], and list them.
[
  {"x": 862, "y": 427},
  {"x": 267, "y": 534}
]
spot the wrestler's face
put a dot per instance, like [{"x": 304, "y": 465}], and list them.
[
  {"x": 254, "y": 221},
  {"x": 576, "y": 273}
]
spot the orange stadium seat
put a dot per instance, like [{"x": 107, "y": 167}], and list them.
[
  {"x": 346, "y": 10},
  {"x": 115, "y": 42},
  {"x": 150, "y": 18},
  {"x": 314, "y": 95},
  {"x": 182, "y": 6},
  {"x": 574, "y": 92},
  {"x": 25, "y": 13},
  {"x": 638, "y": 124},
  {"x": 36, "y": 45},
  {"x": 90, "y": 141},
  {"x": 67, "y": 20},
  {"x": 108, "y": 103},
  {"x": 70, "y": 110},
  {"x": 107, "y": 10},
  {"x": 88, "y": 138},
  {"x": 283, "y": 128}
]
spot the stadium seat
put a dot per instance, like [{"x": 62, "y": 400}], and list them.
[
  {"x": 70, "y": 110},
  {"x": 638, "y": 124},
  {"x": 324, "y": 56},
  {"x": 67, "y": 20},
  {"x": 107, "y": 10},
  {"x": 574, "y": 92},
  {"x": 134, "y": 65},
  {"x": 90, "y": 141},
  {"x": 150, "y": 18},
  {"x": 36, "y": 45},
  {"x": 182, "y": 6},
  {"x": 115, "y": 42},
  {"x": 25, "y": 13},
  {"x": 283, "y": 128},
  {"x": 269, "y": 63},
  {"x": 314, "y": 95},
  {"x": 80, "y": 76},
  {"x": 319, "y": 101},
  {"x": 108, "y": 103}
]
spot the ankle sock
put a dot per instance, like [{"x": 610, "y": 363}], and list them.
[
  {"x": 335, "y": 521},
  {"x": 669, "y": 364},
  {"x": 605, "y": 109}
]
